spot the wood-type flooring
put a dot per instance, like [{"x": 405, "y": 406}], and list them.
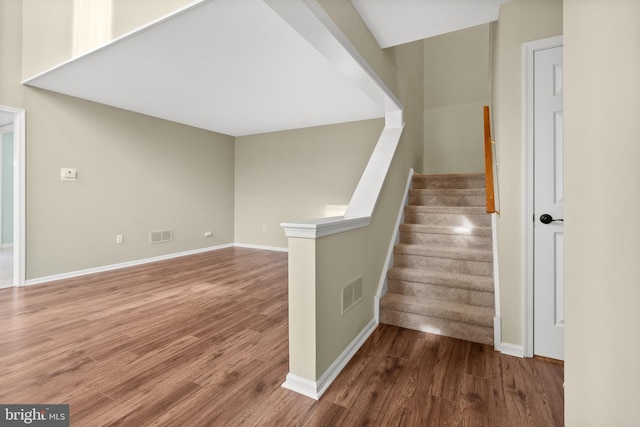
[{"x": 201, "y": 340}]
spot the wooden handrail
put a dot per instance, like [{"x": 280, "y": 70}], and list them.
[{"x": 488, "y": 163}]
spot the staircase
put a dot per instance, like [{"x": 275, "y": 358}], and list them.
[{"x": 442, "y": 278}]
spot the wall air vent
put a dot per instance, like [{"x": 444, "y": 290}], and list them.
[
  {"x": 351, "y": 294},
  {"x": 161, "y": 236}
]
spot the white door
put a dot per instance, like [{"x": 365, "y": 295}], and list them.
[{"x": 548, "y": 205}]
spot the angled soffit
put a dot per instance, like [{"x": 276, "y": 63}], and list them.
[
  {"x": 395, "y": 22},
  {"x": 229, "y": 66}
]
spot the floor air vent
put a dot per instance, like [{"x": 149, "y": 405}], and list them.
[
  {"x": 160, "y": 236},
  {"x": 351, "y": 294}
]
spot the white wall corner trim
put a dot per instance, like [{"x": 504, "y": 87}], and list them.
[
  {"x": 315, "y": 390},
  {"x": 78, "y": 273},
  {"x": 382, "y": 285}
]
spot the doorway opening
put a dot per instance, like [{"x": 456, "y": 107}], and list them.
[{"x": 12, "y": 256}]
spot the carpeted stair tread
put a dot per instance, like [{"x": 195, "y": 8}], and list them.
[
  {"x": 447, "y": 229},
  {"x": 463, "y": 313},
  {"x": 463, "y": 281}
]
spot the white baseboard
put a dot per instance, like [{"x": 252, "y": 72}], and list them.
[
  {"x": 316, "y": 389},
  {"x": 510, "y": 349},
  {"x": 301, "y": 386},
  {"x": 261, "y": 247},
  {"x": 72, "y": 274}
]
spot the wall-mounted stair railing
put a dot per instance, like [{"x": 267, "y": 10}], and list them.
[{"x": 489, "y": 164}]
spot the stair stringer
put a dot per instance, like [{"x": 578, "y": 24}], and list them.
[{"x": 395, "y": 238}]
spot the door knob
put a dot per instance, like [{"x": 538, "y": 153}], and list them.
[{"x": 548, "y": 219}]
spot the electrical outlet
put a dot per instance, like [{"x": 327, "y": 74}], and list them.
[
  {"x": 208, "y": 234},
  {"x": 264, "y": 227},
  {"x": 119, "y": 239},
  {"x": 68, "y": 174}
]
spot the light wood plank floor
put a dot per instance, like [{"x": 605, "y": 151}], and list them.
[{"x": 202, "y": 341}]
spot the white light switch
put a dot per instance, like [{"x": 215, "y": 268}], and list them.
[{"x": 68, "y": 174}]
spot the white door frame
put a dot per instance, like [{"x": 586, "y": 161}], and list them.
[
  {"x": 19, "y": 133},
  {"x": 3, "y": 129},
  {"x": 529, "y": 50}
]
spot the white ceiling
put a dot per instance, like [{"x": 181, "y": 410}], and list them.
[
  {"x": 238, "y": 68},
  {"x": 230, "y": 66},
  {"x": 394, "y": 22}
]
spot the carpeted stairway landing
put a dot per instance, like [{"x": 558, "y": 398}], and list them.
[{"x": 442, "y": 278}]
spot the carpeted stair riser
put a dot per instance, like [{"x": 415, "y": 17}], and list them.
[
  {"x": 443, "y": 264},
  {"x": 429, "y": 198},
  {"x": 461, "y": 241},
  {"x": 466, "y": 254},
  {"x": 447, "y": 229},
  {"x": 441, "y": 278},
  {"x": 443, "y": 293},
  {"x": 450, "y": 328},
  {"x": 463, "y": 261},
  {"x": 449, "y": 181},
  {"x": 413, "y": 216},
  {"x": 464, "y": 313}
]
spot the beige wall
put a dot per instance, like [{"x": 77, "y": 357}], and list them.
[
  {"x": 47, "y": 34},
  {"x": 49, "y": 29},
  {"x": 10, "y": 51},
  {"x": 129, "y": 15},
  {"x": 457, "y": 84},
  {"x": 135, "y": 174},
  {"x": 520, "y": 21},
  {"x": 340, "y": 258},
  {"x": 602, "y": 154},
  {"x": 302, "y": 307},
  {"x": 297, "y": 174}
]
